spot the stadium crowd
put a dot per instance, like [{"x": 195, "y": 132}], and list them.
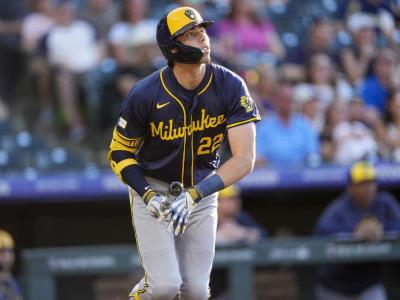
[{"x": 325, "y": 75}]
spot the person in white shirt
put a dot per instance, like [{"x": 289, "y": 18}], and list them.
[{"x": 74, "y": 51}]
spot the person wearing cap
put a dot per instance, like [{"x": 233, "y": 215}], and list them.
[
  {"x": 361, "y": 213},
  {"x": 170, "y": 129},
  {"x": 9, "y": 289},
  {"x": 234, "y": 224}
]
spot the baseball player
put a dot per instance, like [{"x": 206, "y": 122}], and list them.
[
  {"x": 170, "y": 128},
  {"x": 9, "y": 287}
]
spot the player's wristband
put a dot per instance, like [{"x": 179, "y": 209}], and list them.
[
  {"x": 195, "y": 194},
  {"x": 206, "y": 187},
  {"x": 150, "y": 193}
]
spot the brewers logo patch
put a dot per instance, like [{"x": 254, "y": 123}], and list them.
[
  {"x": 190, "y": 14},
  {"x": 247, "y": 103}
]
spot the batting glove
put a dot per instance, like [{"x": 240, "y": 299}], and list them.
[
  {"x": 181, "y": 209},
  {"x": 157, "y": 205}
]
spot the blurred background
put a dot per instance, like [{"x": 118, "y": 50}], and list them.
[{"x": 325, "y": 75}]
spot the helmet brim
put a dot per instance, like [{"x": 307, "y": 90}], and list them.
[{"x": 189, "y": 26}]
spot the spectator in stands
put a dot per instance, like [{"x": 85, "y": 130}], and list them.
[
  {"x": 326, "y": 81},
  {"x": 321, "y": 39},
  {"x": 392, "y": 126},
  {"x": 309, "y": 106},
  {"x": 235, "y": 225},
  {"x": 37, "y": 24},
  {"x": 361, "y": 213},
  {"x": 262, "y": 82},
  {"x": 355, "y": 137},
  {"x": 35, "y": 29},
  {"x": 322, "y": 80},
  {"x": 356, "y": 58},
  {"x": 286, "y": 138},
  {"x": 243, "y": 37},
  {"x": 9, "y": 288},
  {"x": 11, "y": 58},
  {"x": 102, "y": 14},
  {"x": 371, "y": 7},
  {"x": 133, "y": 43},
  {"x": 375, "y": 88},
  {"x": 335, "y": 114},
  {"x": 74, "y": 51}
]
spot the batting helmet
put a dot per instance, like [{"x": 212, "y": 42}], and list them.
[
  {"x": 175, "y": 23},
  {"x": 362, "y": 171},
  {"x": 6, "y": 240}
]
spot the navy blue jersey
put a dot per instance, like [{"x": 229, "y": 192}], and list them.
[
  {"x": 175, "y": 137},
  {"x": 9, "y": 289}
]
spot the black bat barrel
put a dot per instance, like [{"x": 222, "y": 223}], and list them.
[{"x": 175, "y": 188}]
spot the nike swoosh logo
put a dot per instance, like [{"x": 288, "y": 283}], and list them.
[{"x": 162, "y": 105}]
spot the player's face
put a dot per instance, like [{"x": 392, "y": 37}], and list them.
[
  {"x": 363, "y": 193},
  {"x": 6, "y": 259},
  {"x": 197, "y": 37}
]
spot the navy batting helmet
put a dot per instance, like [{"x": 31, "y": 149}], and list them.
[{"x": 175, "y": 23}]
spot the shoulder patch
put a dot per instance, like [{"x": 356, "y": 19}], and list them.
[
  {"x": 122, "y": 122},
  {"x": 247, "y": 102}
]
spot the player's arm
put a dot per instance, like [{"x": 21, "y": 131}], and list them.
[
  {"x": 241, "y": 115},
  {"x": 242, "y": 143},
  {"x": 124, "y": 165},
  {"x": 126, "y": 141}
]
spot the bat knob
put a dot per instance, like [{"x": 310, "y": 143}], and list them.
[{"x": 175, "y": 188}]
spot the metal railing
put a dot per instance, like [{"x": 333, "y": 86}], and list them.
[{"x": 42, "y": 266}]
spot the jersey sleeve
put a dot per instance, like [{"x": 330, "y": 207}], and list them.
[
  {"x": 132, "y": 118},
  {"x": 130, "y": 127},
  {"x": 242, "y": 108}
]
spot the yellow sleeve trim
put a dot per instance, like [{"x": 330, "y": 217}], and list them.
[
  {"x": 115, "y": 145},
  {"x": 118, "y": 167},
  {"x": 120, "y": 142},
  {"x": 243, "y": 122},
  {"x": 122, "y": 137}
]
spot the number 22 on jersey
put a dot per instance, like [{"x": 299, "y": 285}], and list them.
[{"x": 209, "y": 145}]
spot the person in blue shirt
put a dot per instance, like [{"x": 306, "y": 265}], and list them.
[
  {"x": 361, "y": 213},
  {"x": 375, "y": 88},
  {"x": 285, "y": 138}
]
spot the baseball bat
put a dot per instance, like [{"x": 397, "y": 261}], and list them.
[{"x": 175, "y": 188}]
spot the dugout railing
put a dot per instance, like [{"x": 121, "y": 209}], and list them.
[{"x": 41, "y": 267}]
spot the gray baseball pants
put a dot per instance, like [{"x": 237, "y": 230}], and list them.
[{"x": 174, "y": 265}]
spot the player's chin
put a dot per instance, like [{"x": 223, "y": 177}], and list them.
[{"x": 206, "y": 57}]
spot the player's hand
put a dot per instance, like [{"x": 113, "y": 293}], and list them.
[
  {"x": 157, "y": 206},
  {"x": 180, "y": 212},
  {"x": 369, "y": 229}
]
